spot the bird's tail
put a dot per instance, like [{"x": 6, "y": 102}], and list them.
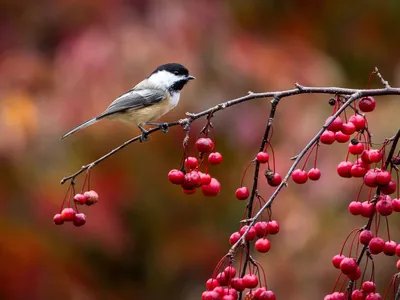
[{"x": 83, "y": 125}]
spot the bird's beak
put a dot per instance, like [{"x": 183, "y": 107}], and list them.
[{"x": 190, "y": 77}]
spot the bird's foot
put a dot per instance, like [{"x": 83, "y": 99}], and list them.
[
  {"x": 145, "y": 134},
  {"x": 163, "y": 126}
]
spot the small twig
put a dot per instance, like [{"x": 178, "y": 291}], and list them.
[{"x": 384, "y": 82}]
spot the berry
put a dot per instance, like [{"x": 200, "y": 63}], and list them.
[
  {"x": 367, "y": 209},
  {"x": 230, "y": 272},
  {"x": 368, "y": 287},
  {"x": 389, "y": 188},
  {"x": 327, "y": 137},
  {"x": 267, "y": 295},
  {"x": 366, "y": 104},
  {"x": 370, "y": 178},
  {"x": 390, "y": 248},
  {"x": 204, "y": 178},
  {"x": 274, "y": 180},
  {"x": 358, "y": 121},
  {"x": 376, "y": 245},
  {"x": 384, "y": 207},
  {"x": 336, "y": 125},
  {"x": 355, "y": 275},
  {"x": 191, "y": 162},
  {"x": 355, "y": 208},
  {"x": 250, "y": 281},
  {"x": 68, "y": 214},
  {"x": 263, "y": 245},
  {"x": 222, "y": 279},
  {"x": 91, "y": 197},
  {"x": 188, "y": 192},
  {"x": 396, "y": 204},
  {"x": 356, "y": 149},
  {"x": 365, "y": 157},
  {"x": 250, "y": 235},
  {"x": 191, "y": 180},
  {"x": 80, "y": 199},
  {"x": 348, "y": 265},
  {"x": 341, "y": 137},
  {"x": 204, "y": 145},
  {"x": 365, "y": 237},
  {"x": 79, "y": 220},
  {"x": 211, "y": 284},
  {"x": 398, "y": 265},
  {"x": 234, "y": 238},
  {"x": 373, "y": 296},
  {"x": 261, "y": 228},
  {"x": 358, "y": 170},
  {"x": 210, "y": 295},
  {"x": 273, "y": 227},
  {"x": 374, "y": 155},
  {"x": 58, "y": 219},
  {"x": 348, "y": 128},
  {"x": 259, "y": 291},
  {"x": 358, "y": 295},
  {"x": 215, "y": 158},
  {"x": 262, "y": 157},
  {"x": 383, "y": 177},
  {"x": 242, "y": 193},
  {"x": 176, "y": 177},
  {"x": 337, "y": 259},
  {"x": 344, "y": 169},
  {"x": 229, "y": 297},
  {"x": 314, "y": 174},
  {"x": 299, "y": 176},
  {"x": 237, "y": 284},
  {"x": 211, "y": 189}
]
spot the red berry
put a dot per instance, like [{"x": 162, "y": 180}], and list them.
[
  {"x": 336, "y": 125},
  {"x": 274, "y": 180},
  {"x": 189, "y": 192},
  {"x": 242, "y": 193},
  {"x": 262, "y": 157},
  {"x": 211, "y": 189},
  {"x": 390, "y": 248},
  {"x": 263, "y": 245},
  {"x": 230, "y": 272},
  {"x": 314, "y": 174},
  {"x": 344, "y": 169},
  {"x": 215, "y": 158},
  {"x": 341, "y": 137},
  {"x": 365, "y": 237},
  {"x": 261, "y": 228},
  {"x": 356, "y": 149},
  {"x": 267, "y": 295},
  {"x": 365, "y": 157},
  {"x": 79, "y": 220},
  {"x": 355, "y": 208},
  {"x": 220, "y": 291},
  {"x": 358, "y": 121},
  {"x": 374, "y": 155},
  {"x": 370, "y": 178},
  {"x": 384, "y": 207},
  {"x": 348, "y": 265},
  {"x": 237, "y": 284},
  {"x": 273, "y": 227},
  {"x": 229, "y": 297},
  {"x": 376, "y": 245},
  {"x": 80, "y": 199},
  {"x": 250, "y": 235},
  {"x": 191, "y": 180},
  {"x": 258, "y": 292},
  {"x": 337, "y": 259},
  {"x": 204, "y": 178},
  {"x": 327, "y": 137},
  {"x": 358, "y": 170},
  {"x": 231, "y": 293},
  {"x": 373, "y": 296},
  {"x": 234, "y": 238},
  {"x": 397, "y": 251},
  {"x": 367, "y": 209},
  {"x": 250, "y": 281},
  {"x": 222, "y": 279},
  {"x": 176, "y": 177},
  {"x": 366, "y": 104},
  {"x": 191, "y": 162},
  {"x": 58, "y": 219},
  {"x": 389, "y": 188},
  {"x": 210, "y": 295},
  {"x": 68, "y": 214},
  {"x": 396, "y": 204},
  {"x": 383, "y": 177},
  {"x": 91, "y": 197},
  {"x": 348, "y": 128},
  {"x": 355, "y": 275},
  {"x": 204, "y": 145},
  {"x": 358, "y": 295},
  {"x": 211, "y": 284},
  {"x": 299, "y": 176}
]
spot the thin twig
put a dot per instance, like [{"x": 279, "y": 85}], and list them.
[{"x": 384, "y": 82}]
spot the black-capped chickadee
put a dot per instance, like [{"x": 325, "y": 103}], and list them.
[{"x": 148, "y": 100}]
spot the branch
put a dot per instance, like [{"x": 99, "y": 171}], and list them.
[{"x": 251, "y": 96}]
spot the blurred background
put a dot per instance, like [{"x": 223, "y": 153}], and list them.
[{"x": 63, "y": 61}]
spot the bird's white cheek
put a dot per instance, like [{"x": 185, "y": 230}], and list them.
[{"x": 174, "y": 99}]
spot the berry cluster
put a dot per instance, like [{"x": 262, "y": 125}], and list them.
[{"x": 189, "y": 177}]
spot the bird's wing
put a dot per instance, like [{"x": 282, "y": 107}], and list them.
[{"x": 134, "y": 99}]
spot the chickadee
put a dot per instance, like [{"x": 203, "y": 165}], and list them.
[{"x": 148, "y": 100}]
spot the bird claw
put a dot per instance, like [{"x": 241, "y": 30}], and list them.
[
  {"x": 145, "y": 134},
  {"x": 163, "y": 126}
]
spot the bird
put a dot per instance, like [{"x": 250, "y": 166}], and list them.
[{"x": 148, "y": 100}]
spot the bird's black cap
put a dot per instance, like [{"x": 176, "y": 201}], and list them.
[{"x": 173, "y": 68}]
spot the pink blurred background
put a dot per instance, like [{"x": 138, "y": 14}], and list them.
[{"x": 64, "y": 61}]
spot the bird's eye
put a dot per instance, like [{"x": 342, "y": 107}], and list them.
[{"x": 176, "y": 73}]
